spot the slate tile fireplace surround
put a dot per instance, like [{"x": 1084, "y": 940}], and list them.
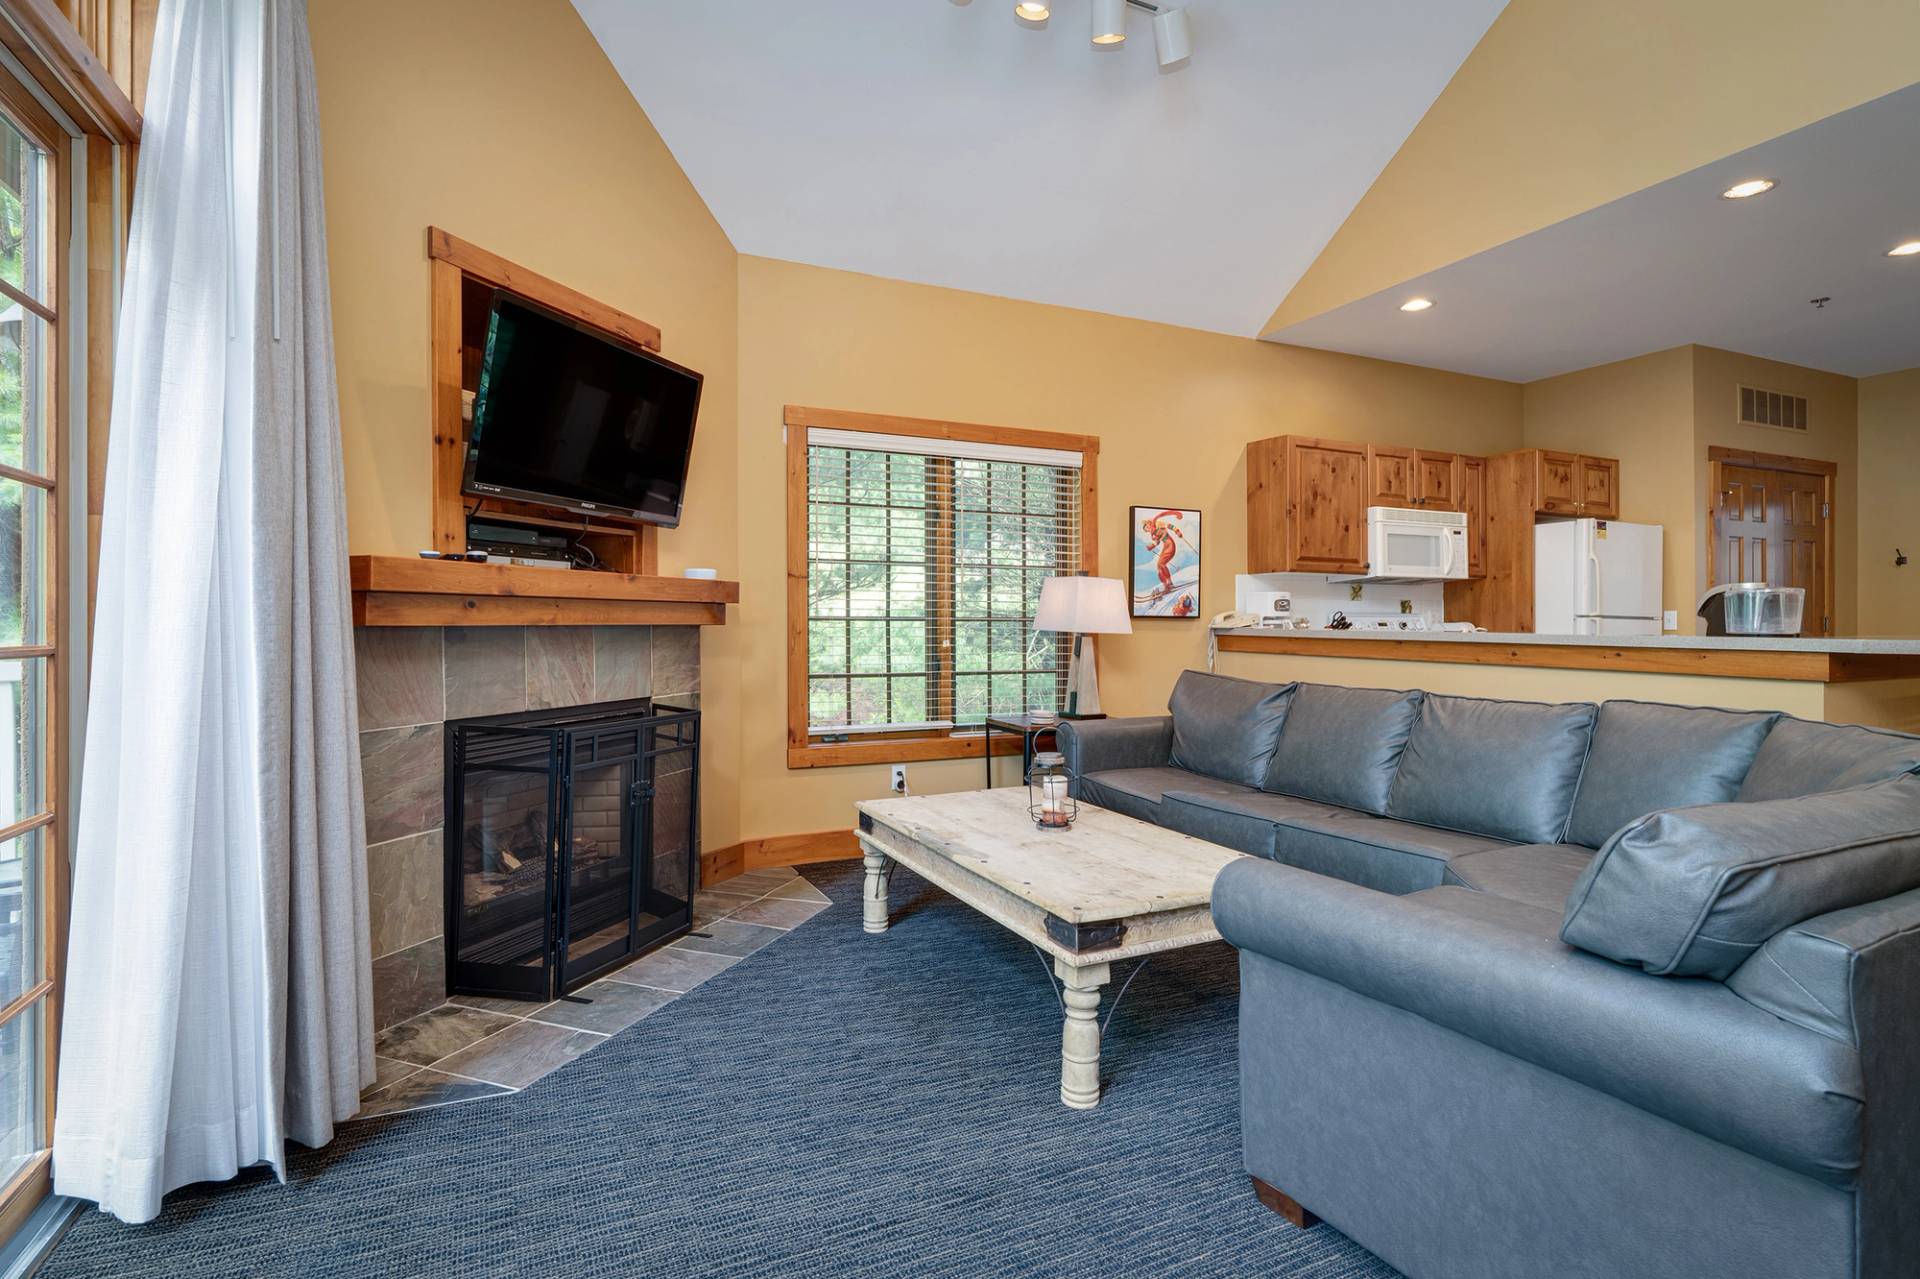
[{"x": 411, "y": 681}]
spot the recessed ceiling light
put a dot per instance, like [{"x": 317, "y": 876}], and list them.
[
  {"x": 1031, "y": 11},
  {"x": 1748, "y": 189},
  {"x": 1906, "y": 250},
  {"x": 1416, "y": 304}
]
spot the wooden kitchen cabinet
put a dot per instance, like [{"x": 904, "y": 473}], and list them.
[
  {"x": 1307, "y": 505},
  {"x": 1600, "y": 487},
  {"x": 1416, "y": 479},
  {"x": 1470, "y": 484},
  {"x": 1389, "y": 476},
  {"x": 1574, "y": 483}
]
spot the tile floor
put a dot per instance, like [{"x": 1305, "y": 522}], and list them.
[{"x": 471, "y": 1048}]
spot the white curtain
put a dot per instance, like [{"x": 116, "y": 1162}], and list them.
[{"x": 219, "y": 998}]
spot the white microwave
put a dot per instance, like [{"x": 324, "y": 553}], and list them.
[{"x": 1406, "y": 545}]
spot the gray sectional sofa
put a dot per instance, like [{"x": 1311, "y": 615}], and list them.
[{"x": 1559, "y": 990}]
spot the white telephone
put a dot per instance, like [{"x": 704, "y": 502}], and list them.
[{"x": 1225, "y": 622}]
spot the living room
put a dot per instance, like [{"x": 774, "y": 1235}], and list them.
[{"x": 1371, "y": 541}]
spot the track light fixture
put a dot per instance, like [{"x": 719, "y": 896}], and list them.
[{"x": 1172, "y": 37}]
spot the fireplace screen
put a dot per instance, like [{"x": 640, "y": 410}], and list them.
[{"x": 570, "y": 843}]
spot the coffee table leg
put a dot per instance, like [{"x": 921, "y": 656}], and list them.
[
  {"x": 874, "y": 910},
  {"x": 1080, "y": 1036}
]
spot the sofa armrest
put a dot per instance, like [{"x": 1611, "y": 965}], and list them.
[
  {"x": 1494, "y": 971},
  {"x": 1854, "y": 975},
  {"x": 1095, "y": 745}
]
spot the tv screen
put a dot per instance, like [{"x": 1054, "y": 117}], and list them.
[{"x": 567, "y": 416}]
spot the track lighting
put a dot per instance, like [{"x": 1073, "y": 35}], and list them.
[{"x": 1172, "y": 37}]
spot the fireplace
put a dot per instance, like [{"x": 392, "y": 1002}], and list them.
[{"x": 570, "y": 843}]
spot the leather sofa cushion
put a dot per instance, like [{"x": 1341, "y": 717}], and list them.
[
  {"x": 1226, "y": 728},
  {"x": 1247, "y": 821},
  {"x": 1504, "y": 769},
  {"x": 1374, "y": 852},
  {"x": 1341, "y": 745},
  {"x": 1538, "y": 875},
  {"x": 1803, "y": 757},
  {"x": 1137, "y": 792},
  {"x": 1695, "y": 891},
  {"x": 1491, "y": 969},
  {"x": 1647, "y": 757},
  {"x": 1807, "y": 974}
]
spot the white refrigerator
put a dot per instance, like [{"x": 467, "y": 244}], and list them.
[{"x": 1596, "y": 577}]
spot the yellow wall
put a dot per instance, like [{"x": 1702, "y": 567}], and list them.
[
  {"x": 1889, "y": 513},
  {"x": 1832, "y": 414},
  {"x": 1640, "y": 411},
  {"x": 1566, "y": 105},
  {"x": 1173, "y": 408},
  {"x": 503, "y": 122}
]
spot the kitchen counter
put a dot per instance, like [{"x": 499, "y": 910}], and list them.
[{"x": 1831, "y": 660}]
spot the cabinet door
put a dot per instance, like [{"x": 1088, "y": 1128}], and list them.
[
  {"x": 1327, "y": 486},
  {"x": 1435, "y": 487},
  {"x": 1557, "y": 483},
  {"x": 1389, "y": 476},
  {"x": 1600, "y": 487},
  {"x": 1471, "y": 486}
]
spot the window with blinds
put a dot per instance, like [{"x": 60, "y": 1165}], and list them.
[{"x": 924, "y": 564}]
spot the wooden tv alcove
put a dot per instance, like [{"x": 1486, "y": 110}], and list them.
[{"x": 396, "y": 590}]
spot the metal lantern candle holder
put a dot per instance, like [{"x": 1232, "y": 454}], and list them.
[{"x": 1050, "y": 792}]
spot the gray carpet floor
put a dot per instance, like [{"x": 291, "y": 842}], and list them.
[{"x": 838, "y": 1105}]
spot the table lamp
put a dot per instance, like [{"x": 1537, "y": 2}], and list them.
[{"x": 1083, "y": 607}]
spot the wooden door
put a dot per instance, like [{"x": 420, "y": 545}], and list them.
[
  {"x": 1803, "y": 545},
  {"x": 1746, "y": 526},
  {"x": 1599, "y": 487},
  {"x": 1557, "y": 483},
  {"x": 1390, "y": 476},
  {"x": 1471, "y": 488},
  {"x": 1775, "y": 526},
  {"x": 1327, "y": 488},
  {"x": 1435, "y": 487}
]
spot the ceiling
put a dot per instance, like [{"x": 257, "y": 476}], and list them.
[
  {"x": 941, "y": 142},
  {"x": 1675, "y": 264}
]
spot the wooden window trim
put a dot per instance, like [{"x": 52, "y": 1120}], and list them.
[
  {"x": 802, "y": 752},
  {"x": 30, "y": 1183}
]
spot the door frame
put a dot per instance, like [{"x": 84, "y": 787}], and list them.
[{"x": 1719, "y": 456}]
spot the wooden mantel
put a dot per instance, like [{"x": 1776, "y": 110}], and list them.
[{"x": 398, "y": 590}]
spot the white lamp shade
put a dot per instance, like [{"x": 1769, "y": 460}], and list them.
[
  {"x": 1172, "y": 38},
  {"x": 1083, "y": 606},
  {"x": 1109, "y": 21}
]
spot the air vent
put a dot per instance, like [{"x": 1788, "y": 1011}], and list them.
[{"x": 1772, "y": 408}]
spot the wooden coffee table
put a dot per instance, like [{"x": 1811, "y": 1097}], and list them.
[{"x": 1108, "y": 888}]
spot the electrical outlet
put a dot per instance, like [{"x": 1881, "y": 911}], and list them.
[
  {"x": 899, "y": 782},
  {"x": 1670, "y": 620}
]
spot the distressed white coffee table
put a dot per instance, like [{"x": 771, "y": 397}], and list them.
[{"x": 1107, "y": 889}]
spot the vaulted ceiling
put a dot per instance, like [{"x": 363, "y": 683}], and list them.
[{"x": 939, "y": 141}]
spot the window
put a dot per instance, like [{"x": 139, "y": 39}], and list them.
[
  {"x": 916, "y": 551},
  {"x": 31, "y": 413}
]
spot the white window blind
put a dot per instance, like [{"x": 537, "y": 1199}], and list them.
[{"x": 924, "y": 564}]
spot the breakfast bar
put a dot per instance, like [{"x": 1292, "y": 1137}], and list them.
[{"x": 1859, "y": 680}]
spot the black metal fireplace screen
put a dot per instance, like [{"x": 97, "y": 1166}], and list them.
[{"x": 570, "y": 843}]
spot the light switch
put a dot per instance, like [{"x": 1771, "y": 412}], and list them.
[{"x": 1670, "y": 621}]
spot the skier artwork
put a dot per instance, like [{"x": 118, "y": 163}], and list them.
[{"x": 1166, "y": 562}]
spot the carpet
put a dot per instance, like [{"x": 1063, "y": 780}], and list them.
[{"x": 838, "y": 1105}]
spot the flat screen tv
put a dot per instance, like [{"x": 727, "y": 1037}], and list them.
[{"x": 567, "y": 416}]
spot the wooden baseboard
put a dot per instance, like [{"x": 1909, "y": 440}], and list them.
[{"x": 777, "y": 850}]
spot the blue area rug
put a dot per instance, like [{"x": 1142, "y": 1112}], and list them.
[{"x": 836, "y": 1105}]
